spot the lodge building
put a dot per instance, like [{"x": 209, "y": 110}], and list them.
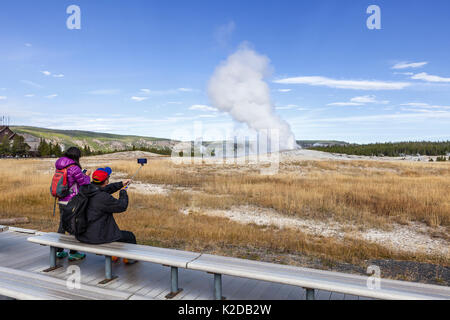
[
  {"x": 6, "y": 131},
  {"x": 30, "y": 140}
]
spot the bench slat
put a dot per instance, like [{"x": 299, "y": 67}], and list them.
[{"x": 170, "y": 257}]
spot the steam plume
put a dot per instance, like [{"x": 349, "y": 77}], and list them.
[{"x": 238, "y": 87}]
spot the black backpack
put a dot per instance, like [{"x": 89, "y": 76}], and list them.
[{"x": 74, "y": 219}]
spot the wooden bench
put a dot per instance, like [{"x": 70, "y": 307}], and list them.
[
  {"x": 311, "y": 279},
  {"x": 168, "y": 257},
  {"x": 22, "y": 285}
]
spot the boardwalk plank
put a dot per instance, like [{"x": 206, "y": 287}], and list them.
[
  {"x": 29, "y": 281},
  {"x": 270, "y": 293},
  {"x": 284, "y": 292},
  {"x": 233, "y": 285},
  {"x": 260, "y": 289},
  {"x": 158, "y": 283},
  {"x": 297, "y": 293},
  {"x": 202, "y": 287},
  {"x": 322, "y": 295},
  {"x": 337, "y": 296},
  {"x": 187, "y": 281}
]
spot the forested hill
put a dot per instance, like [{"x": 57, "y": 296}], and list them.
[{"x": 96, "y": 141}]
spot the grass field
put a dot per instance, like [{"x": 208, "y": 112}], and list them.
[{"x": 356, "y": 195}]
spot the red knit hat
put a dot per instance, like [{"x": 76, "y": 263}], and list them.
[{"x": 99, "y": 176}]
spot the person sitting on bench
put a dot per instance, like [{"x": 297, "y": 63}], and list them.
[{"x": 101, "y": 226}]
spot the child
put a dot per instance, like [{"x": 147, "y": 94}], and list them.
[{"x": 75, "y": 179}]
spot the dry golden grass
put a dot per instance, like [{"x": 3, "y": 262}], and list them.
[{"x": 365, "y": 193}]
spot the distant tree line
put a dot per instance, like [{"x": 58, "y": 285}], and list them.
[
  {"x": 398, "y": 149},
  {"x": 49, "y": 149},
  {"x": 440, "y": 159},
  {"x": 16, "y": 148},
  {"x": 166, "y": 151},
  {"x": 86, "y": 151}
]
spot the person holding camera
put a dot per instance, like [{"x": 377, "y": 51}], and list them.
[{"x": 101, "y": 225}]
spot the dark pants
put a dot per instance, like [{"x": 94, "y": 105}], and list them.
[
  {"x": 127, "y": 237},
  {"x": 61, "y": 229}
]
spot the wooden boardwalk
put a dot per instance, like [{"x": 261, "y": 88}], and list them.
[{"x": 146, "y": 279}]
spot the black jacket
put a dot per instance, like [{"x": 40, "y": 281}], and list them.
[{"x": 102, "y": 228}]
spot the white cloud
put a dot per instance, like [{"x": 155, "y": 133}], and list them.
[
  {"x": 405, "y": 73},
  {"x": 343, "y": 104},
  {"x": 207, "y": 116},
  {"x": 139, "y": 99},
  {"x": 201, "y": 107},
  {"x": 415, "y": 104},
  {"x": 165, "y": 92},
  {"x": 284, "y": 90},
  {"x": 31, "y": 83},
  {"x": 288, "y": 107},
  {"x": 105, "y": 92},
  {"x": 345, "y": 84},
  {"x": 430, "y": 78},
  {"x": 51, "y": 96},
  {"x": 3, "y": 98},
  {"x": 424, "y": 110},
  {"x": 405, "y": 65},
  {"x": 29, "y": 95},
  {"x": 384, "y": 117},
  {"x": 28, "y": 45},
  {"x": 368, "y": 99},
  {"x": 283, "y": 108},
  {"x": 364, "y": 99},
  {"x": 359, "y": 101},
  {"x": 424, "y": 105},
  {"x": 48, "y": 73},
  {"x": 291, "y": 106}
]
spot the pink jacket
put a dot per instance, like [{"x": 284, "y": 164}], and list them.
[{"x": 75, "y": 177}]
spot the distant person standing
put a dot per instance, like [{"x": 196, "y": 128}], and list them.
[{"x": 76, "y": 178}]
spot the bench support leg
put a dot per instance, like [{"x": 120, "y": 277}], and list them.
[
  {"x": 174, "y": 283},
  {"x": 108, "y": 271},
  {"x": 53, "y": 265},
  {"x": 310, "y": 294},
  {"x": 218, "y": 287}
]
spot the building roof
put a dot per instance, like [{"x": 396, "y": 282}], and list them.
[{"x": 4, "y": 130}]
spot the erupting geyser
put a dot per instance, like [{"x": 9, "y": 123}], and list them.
[{"x": 238, "y": 88}]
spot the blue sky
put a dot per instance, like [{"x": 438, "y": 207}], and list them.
[{"x": 142, "y": 67}]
